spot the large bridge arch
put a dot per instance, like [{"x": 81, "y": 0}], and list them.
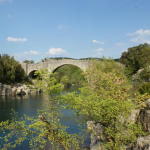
[{"x": 55, "y": 69}]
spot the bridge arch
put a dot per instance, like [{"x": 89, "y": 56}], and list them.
[
  {"x": 55, "y": 69},
  {"x": 31, "y": 74}
]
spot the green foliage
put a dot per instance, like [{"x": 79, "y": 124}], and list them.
[
  {"x": 10, "y": 70},
  {"x": 19, "y": 73},
  {"x": 106, "y": 100},
  {"x": 44, "y": 131},
  {"x": 27, "y": 81},
  {"x": 145, "y": 74},
  {"x": 28, "y": 61},
  {"x": 73, "y": 74},
  {"x": 144, "y": 88},
  {"x": 142, "y": 76},
  {"x": 136, "y": 58}
]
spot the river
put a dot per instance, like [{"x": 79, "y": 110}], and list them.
[{"x": 28, "y": 105}]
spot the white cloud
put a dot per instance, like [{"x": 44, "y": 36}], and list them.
[
  {"x": 25, "y": 55},
  {"x": 141, "y": 39},
  {"x": 61, "y": 27},
  {"x": 100, "y": 49},
  {"x": 141, "y": 32},
  {"x": 11, "y": 39},
  {"x": 32, "y": 53},
  {"x": 10, "y": 1},
  {"x": 94, "y": 41},
  {"x": 102, "y": 43},
  {"x": 119, "y": 44},
  {"x": 9, "y": 15},
  {"x": 142, "y": 36},
  {"x": 56, "y": 51}
]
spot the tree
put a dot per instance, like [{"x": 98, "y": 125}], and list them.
[
  {"x": 106, "y": 100},
  {"x": 8, "y": 65},
  {"x": 46, "y": 129},
  {"x": 1, "y": 69},
  {"x": 19, "y": 73},
  {"x": 28, "y": 61},
  {"x": 10, "y": 70},
  {"x": 136, "y": 58}
]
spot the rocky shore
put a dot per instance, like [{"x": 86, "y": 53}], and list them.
[
  {"x": 17, "y": 89},
  {"x": 142, "y": 143}
]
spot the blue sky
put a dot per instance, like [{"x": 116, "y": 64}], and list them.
[{"x": 36, "y": 29}]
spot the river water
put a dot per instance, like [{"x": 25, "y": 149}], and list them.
[{"x": 28, "y": 105}]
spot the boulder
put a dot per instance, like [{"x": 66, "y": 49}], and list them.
[
  {"x": 5, "y": 89},
  {"x": 97, "y": 134},
  {"x": 18, "y": 89},
  {"x": 143, "y": 143}
]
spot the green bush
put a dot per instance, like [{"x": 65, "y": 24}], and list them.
[
  {"x": 27, "y": 80},
  {"x": 145, "y": 74},
  {"x": 135, "y": 58},
  {"x": 144, "y": 88}
]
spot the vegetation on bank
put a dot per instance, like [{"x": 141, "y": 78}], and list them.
[
  {"x": 107, "y": 100},
  {"x": 11, "y": 71},
  {"x": 73, "y": 74},
  {"x": 136, "y": 58}
]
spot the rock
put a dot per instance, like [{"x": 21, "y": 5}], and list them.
[
  {"x": 5, "y": 89},
  {"x": 143, "y": 143},
  {"x": 147, "y": 103},
  {"x": 18, "y": 89},
  {"x": 90, "y": 125},
  {"x": 144, "y": 118},
  {"x": 136, "y": 77},
  {"x": 97, "y": 134},
  {"x": 134, "y": 116}
]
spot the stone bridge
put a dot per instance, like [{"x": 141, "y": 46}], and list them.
[{"x": 51, "y": 64}]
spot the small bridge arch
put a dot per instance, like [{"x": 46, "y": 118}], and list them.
[{"x": 31, "y": 74}]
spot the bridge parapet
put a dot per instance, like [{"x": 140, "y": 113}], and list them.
[{"x": 50, "y": 64}]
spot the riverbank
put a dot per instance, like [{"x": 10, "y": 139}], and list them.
[
  {"x": 28, "y": 104},
  {"x": 17, "y": 89}
]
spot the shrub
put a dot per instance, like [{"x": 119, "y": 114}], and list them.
[
  {"x": 144, "y": 88},
  {"x": 145, "y": 74}
]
